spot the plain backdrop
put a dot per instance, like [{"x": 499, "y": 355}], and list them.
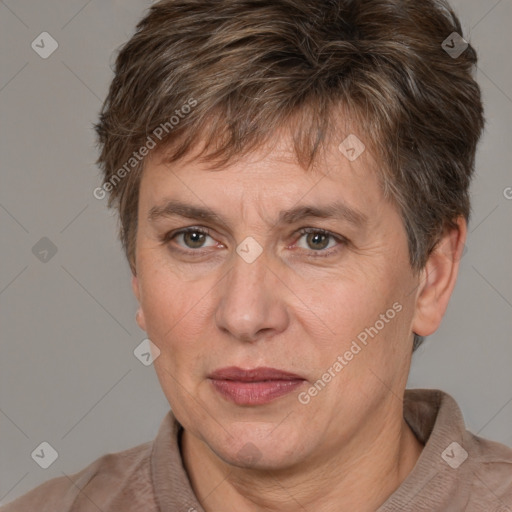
[{"x": 68, "y": 374}]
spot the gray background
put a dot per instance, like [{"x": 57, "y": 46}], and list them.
[{"x": 68, "y": 374}]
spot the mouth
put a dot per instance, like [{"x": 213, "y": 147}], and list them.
[{"x": 256, "y": 386}]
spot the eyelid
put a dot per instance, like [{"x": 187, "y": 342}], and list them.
[
  {"x": 166, "y": 238},
  {"x": 172, "y": 234},
  {"x": 342, "y": 241},
  {"x": 304, "y": 231}
]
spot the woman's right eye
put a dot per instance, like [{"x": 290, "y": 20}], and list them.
[{"x": 189, "y": 239}]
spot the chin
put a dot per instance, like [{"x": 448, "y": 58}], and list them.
[{"x": 260, "y": 449}]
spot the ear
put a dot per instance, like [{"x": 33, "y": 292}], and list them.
[
  {"x": 437, "y": 280},
  {"x": 135, "y": 287},
  {"x": 139, "y": 316}
]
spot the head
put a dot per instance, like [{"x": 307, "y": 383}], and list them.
[{"x": 248, "y": 110}]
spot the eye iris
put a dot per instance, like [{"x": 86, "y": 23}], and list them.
[
  {"x": 198, "y": 238},
  {"x": 195, "y": 239},
  {"x": 316, "y": 237}
]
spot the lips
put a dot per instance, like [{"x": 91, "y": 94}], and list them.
[
  {"x": 254, "y": 387},
  {"x": 256, "y": 374}
]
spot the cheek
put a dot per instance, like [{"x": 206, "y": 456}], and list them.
[
  {"x": 168, "y": 303},
  {"x": 371, "y": 314},
  {"x": 351, "y": 303},
  {"x": 173, "y": 311}
]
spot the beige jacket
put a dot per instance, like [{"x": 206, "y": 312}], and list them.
[{"x": 456, "y": 471}]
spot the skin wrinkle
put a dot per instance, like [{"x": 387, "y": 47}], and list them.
[
  {"x": 269, "y": 91},
  {"x": 350, "y": 445}
]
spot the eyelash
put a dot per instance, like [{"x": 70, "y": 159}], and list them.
[{"x": 304, "y": 231}]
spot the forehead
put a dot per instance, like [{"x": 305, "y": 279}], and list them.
[
  {"x": 274, "y": 164},
  {"x": 267, "y": 183}
]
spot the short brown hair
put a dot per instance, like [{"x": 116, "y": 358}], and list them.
[{"x": 251, "y": 67}]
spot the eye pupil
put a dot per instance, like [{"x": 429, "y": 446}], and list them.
[
  {"x": 197, "y": 238},
  {"x": 315, "y": 237}
]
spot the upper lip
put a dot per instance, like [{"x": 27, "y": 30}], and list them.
[{"x": 256, "y": 374}]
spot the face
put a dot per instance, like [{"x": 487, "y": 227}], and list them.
[{"x": 328, "y": 299}]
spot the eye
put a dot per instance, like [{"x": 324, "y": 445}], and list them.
[
  {"x": 317, "y": 240},
  {"x": 191, "y": 238}
]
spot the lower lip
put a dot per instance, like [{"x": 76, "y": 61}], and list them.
[{"x": 255, "y": 393}]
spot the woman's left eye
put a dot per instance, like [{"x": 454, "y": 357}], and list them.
[{"x": 317, "y": 240}]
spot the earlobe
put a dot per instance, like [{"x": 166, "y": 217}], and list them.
[
  {"x": 141, "y": 321},
  {"x": 437, "y": 280}
]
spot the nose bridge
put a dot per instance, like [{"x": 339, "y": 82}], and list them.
[{"x": 249, "y": 303}]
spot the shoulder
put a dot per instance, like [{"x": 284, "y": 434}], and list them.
[
  {"x": 490, "y": 464},
  {"x": 472, "y": 469},
  {"x": 107, "y": 480}
]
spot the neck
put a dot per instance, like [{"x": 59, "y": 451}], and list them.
[{"x": 359, "y": 477}]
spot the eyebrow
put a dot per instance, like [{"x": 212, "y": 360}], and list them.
[{"x": 336, "y": 210}]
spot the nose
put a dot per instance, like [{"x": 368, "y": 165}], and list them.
[{"x": 251, "y": 302}]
